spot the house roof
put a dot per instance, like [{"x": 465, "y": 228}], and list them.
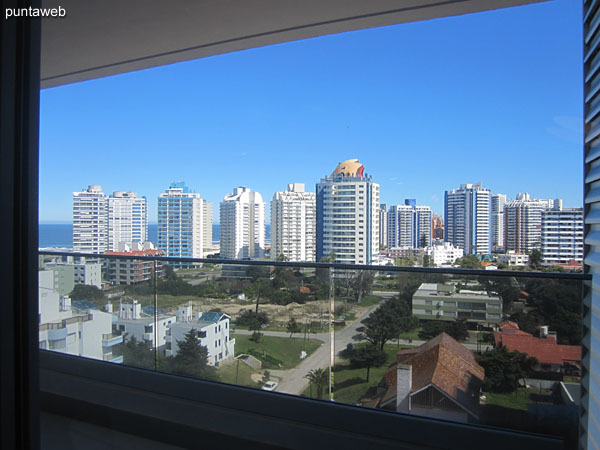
[
  {"x": 213, "y": 317},
  {"x": 84, "y": 305},
  {"x": 545, "y": 350},
  {"x": 443, "y": 363},
  {"x": 510, "y": 327}
]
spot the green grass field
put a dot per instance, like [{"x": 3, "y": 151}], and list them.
[
  {"x": 518, "y": 399},
  {"x": 284, "y": 351},
  {"x": 414, "y": 335},
  {"x": 237, "y": 371},
  {"x": 370, "y": 300}
]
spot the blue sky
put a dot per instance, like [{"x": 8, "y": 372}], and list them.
[{"x": 493, "y": 97}]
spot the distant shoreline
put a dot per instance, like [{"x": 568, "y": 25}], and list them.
[{"x": 60, "y": 234}]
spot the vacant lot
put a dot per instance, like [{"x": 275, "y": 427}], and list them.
[{"x": 276, "y": 352}]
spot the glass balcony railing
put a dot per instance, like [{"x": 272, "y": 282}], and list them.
[{"x": 494, "y": 348}]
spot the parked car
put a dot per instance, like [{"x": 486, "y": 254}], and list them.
[{"x": 270, "y": 386}]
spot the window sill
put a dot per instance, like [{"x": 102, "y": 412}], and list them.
[{"x": 185, "y": 412}]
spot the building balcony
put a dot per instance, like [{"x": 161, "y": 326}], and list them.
[{"x": 111, "y": 339}]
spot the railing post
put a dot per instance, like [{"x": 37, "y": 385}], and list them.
[
  {"x": 331, "y": 332},
  {"x": 154, "y": 279}
]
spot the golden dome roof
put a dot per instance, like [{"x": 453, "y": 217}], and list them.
[{"x": 349, "y": 168}]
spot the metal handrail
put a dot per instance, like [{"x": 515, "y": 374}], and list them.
[{"x": 327, "y": 265}]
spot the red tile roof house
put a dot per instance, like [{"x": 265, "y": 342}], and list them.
[
  {"x": 550, "y": 355},
  {"x": 438, "y": 379}
]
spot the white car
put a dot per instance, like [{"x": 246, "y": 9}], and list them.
[{"x": 270, "y": 386}]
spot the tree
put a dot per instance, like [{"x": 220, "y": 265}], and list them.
[
  {"x": 362, "y": 284},
  {"x": 423, "y": 240},
  {"x": 192, "y": 358},
  {"x": 504, "y": 369},
  {"x": 256, "y": 336},
  {"x": 427, "y": 262},
  {"x": 259, "y": 288},
  {"x": 86, "y": 292},
  {"x": 527, "y": 321},
  {"x": 558, "y": 304},
  {"x": 137, "y": 353},
  {"x": 252, "y": 320},
  {"x": 266, "y": 376},
  {"x": 407, "y": 262},
  {"x": 320, "y": 378},
  {"x": 469, "y": 262},
  {"x": 293, "y": 326},
  {"x": 535, "y": 259},
  {"x": 367, "y": 356},
  {"x": 170, "y": 273},
  {"x": 432, "y": 328},
  {"x": 386, "y": 322}
]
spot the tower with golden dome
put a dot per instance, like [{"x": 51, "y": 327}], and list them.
[{"x": 348, "y": 215}]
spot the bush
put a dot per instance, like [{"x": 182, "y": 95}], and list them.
[
  {"x": 249, "y": 318},
  {"x": 256, "y": 337}
]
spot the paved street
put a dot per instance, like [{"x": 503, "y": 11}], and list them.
[{"x": 292, "y": 381}]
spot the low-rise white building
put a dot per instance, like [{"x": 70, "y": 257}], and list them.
[
  {"x": 65, "y": 329},
  {"x": 512, "y": 258},
  {"x": 83, "y": 273},
  {"x": 213, "y": 333},
  {"x": 443, "y": 254},
  {"x": 58, "y": 278},
  {"x": 441, "y": 301},
  {"x": 132, "y": 322}
]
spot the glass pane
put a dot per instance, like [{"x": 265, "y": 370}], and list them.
[
  {"x": 486, "y": 349},
  {"x": 491, "y": 350},
  {"x": 249, "y": 325}
]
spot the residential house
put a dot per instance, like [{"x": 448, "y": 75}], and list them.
[{"x": 439, "y": 379}]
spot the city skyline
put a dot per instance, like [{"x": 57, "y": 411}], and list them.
[{"x": 422, "y": 120}]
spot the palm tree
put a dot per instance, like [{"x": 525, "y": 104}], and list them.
[{"x": 320, "y": 378}]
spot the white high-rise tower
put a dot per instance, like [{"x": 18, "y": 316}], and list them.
[
  {"x": 293, "y": 224},
  {"x": 127, "y": 219},
  {"x": 467, "y": 217},
  {"x": 523, "y": 222},
  {"x": 243, "y": 224},
  {"x": 348, "y": 215},
  {"x": 90, "y": 220},
  {"x": 498, "y": 202},
  {"x": 184, "y": 221}
]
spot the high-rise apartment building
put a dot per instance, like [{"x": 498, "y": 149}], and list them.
[
  {"x": 294, "y": 224},
  {"x": 127, "y": 219},
  {"x": 467, "y": 218},
  {"x": 383, "y": 225},
  {"x": 348, "y": 215},
  {"x": 523, "y": 223},
  {"x": 437, "y": 224},
  {"x": 90, "y": 220},
  {"x": 562, "y": 235},
  {"x": 409, "y": 225},
  {"x": 184, "y": 219},
  {"x": 400, "y": 226},
  {"x": 498, "y": 202},
  {"x": 101, "y": 222},
  {"x": 243, "y": 224}
]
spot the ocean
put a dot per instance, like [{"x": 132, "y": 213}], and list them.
[{"x": 61, "y": 234}]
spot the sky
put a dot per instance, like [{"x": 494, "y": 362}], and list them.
[{"x": 495, "y": 97}]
